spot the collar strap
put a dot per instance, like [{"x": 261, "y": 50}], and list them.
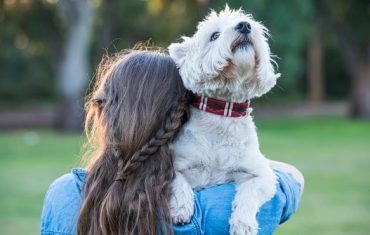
[{"x": 220, "y": 107}]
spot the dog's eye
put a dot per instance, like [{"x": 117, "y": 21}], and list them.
[{"x": 214, "y": 36}]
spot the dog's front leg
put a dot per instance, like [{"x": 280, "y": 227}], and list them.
[
  {"x": 251, "y": 195},
  {"x": 182, "y": 200}
]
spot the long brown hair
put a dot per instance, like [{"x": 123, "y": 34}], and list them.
[{"x": 134, "y": 112}]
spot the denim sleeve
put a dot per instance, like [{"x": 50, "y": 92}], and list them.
[
  {"x": 61, "y": 205},
  {"x": 291, "y": 190},
  {"x": 213, "y": 208}
]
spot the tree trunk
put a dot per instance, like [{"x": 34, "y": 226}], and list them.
[
  {"x": 356, "y": 60},
  {"x": 360, "y": 96},
  {"x": 74, "y": 70},
  {"x": 315, "y": 73}
]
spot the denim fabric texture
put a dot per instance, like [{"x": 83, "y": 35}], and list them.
[{"x": 212, "y": 206}]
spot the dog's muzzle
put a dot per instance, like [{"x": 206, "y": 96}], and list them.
[{"x": 241, "y": 42}]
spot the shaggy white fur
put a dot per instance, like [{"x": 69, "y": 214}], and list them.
[{"x": 228, "y": 58}]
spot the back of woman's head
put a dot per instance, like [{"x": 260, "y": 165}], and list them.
[{"x": 135, "y": 111}]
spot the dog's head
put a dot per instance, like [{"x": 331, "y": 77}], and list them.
[{"x": 228, "y": 57}]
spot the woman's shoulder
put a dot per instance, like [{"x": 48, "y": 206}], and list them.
[
  {"x": 215, "y": 204},
  {"x": 68, "y": 185},
  {"x": 62, "y": 203}
]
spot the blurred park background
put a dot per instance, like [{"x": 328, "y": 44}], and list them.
[{"x": 317, "y": 118}]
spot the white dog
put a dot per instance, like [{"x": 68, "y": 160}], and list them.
[{"x": 226, "y": 63}]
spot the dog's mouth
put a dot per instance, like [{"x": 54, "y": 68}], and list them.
[{"x": 241, "y": 42}]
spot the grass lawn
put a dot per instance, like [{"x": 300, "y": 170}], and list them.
[{"x": 332, "y": 153}]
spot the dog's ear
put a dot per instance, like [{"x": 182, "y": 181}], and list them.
[
  {"x": 178, "y": 52},
  {"x": 266, "y": 65},
  {"x": 266, "y": 75}
]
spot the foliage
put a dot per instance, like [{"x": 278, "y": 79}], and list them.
[
  {"x": 32, "y": 36},
  {"x": 337, "y": 80},
  {"x": 332, "y": 153},
  {"x": 28, "y": 38},
  {"x": 348, "y": 23},
  {"x": 353, "y": 18}
]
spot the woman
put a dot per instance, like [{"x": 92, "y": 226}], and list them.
[{"x": 135, "y": 111}]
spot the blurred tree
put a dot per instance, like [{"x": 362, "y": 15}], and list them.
[
  {"x": 121, "y": 24},
  {"x": 315, "y": 58},
  {"x": 175, "y": 18},
  {"x": 37, "y": 46},
  {"x": 349, "y": 22},
  {"x": 73, "y": 73},
  {"x": 118, "y": 25},
  {"x": 29, "y": 43}
]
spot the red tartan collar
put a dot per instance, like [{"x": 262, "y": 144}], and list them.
[{"x": 220, "y": 107}]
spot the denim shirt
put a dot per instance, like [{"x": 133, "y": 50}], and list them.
[{"x": 211, "y": 215}]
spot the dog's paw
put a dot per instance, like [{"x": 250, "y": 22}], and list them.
[
  {"x": 182, "y": 208},
  {"x": 243, "y": 227}
]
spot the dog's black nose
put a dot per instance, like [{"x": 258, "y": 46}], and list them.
[{"x": 243, "y": 27}]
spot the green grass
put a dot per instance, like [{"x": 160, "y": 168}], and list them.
[
  {"x": 334, "y": 156},
  {"x": 29, "y": 161},
  {"x": 332, "y": 153}
]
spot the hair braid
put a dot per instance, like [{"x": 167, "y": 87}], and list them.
[
  {"x": 158, "y": 176},
  {"x": 177, "y": 116}
]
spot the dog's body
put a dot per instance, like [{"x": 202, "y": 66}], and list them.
[{"x": 213, "y": 149}]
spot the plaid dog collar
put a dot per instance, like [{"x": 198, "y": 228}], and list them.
[{"x": 220, "y": 107}]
